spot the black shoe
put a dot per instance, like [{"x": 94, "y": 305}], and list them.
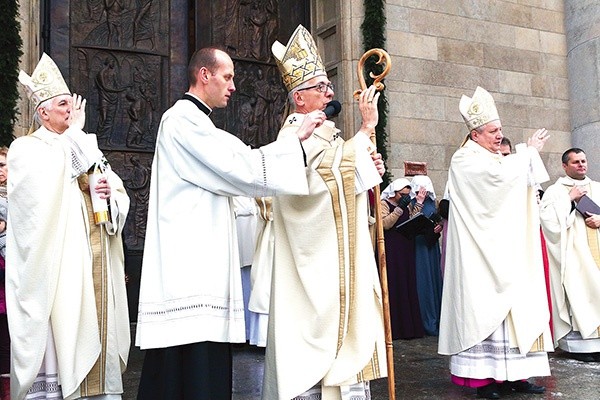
[
  {"x": 527, "y": 387},
  {"x": 585, "y": 357},
  {"x": 488, "y": 391},
  {"x": 505, "y": 388}
]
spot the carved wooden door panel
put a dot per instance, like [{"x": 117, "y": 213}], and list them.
[
  {"x": 123, "y": 57},
  {"x": 247, "y": 29},
  {"x": 128, "y": 59}
]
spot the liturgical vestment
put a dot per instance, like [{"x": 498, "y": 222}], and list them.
[
  {"x": 325, "y": 317},
  {"x": 191, "y": 289},
  {"x": 494, "y": 270},
  {"x": 574, "y": 256},
  {"x": 63, "y": 271}
]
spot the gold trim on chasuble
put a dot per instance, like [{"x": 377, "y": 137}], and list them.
[
  {"x": 93, "y": 384},
  {"x": 343, "y": 198},
  {"x": 592, "y": 234},
  {"x": 538, "y": 345},
  {"x": 592, "y": 238}
]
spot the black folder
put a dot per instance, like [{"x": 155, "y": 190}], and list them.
[
  {"x": 586, "y": 206},
  {"x": 419, "y": 224}
]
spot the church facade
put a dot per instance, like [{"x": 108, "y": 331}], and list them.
[{"x": 539, "y": 59}]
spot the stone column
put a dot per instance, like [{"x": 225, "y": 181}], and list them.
[
  {"x": 29, "y": 18},
  {"x": 582, "y": 26}
]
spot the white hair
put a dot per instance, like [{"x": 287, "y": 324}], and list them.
[
  {"x": 291, "y": 101},
  {"x": 47, "y": 105}
]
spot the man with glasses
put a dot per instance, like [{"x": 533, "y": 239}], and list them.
[
  {"x": 325, "y": 336},
  {"x": 321, "y": 87}
]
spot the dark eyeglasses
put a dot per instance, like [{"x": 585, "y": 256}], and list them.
[{"x": 321, "y": 87}]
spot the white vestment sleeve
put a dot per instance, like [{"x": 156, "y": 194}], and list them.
[
  {"x": 119, "y": 204},
  {"x": 367, "y": 175},
  {"x": 537, "y": 170},
  {"x": 219, "y": 162}
]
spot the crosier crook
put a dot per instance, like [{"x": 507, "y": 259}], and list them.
[{"x": 379, "y": 86}]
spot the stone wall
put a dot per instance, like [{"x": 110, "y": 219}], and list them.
[{"x": 443, "y": 49}]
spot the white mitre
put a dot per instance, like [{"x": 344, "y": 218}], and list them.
[
  {"x": 479, "y": 109},
  {"x": 45, "y": 82},
  {"x": 299, "y": 61}
]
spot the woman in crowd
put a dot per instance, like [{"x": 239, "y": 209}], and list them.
[
  {"x": 427, "y": 255},
  {"x": 400, "y": 257}
]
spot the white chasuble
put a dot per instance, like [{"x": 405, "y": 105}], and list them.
[
  {"x": 325, "y": 317},
  {"x": 494, "y": 269},
  {"x": 52, "y": 277}
]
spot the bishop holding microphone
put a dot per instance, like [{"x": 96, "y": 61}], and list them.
[{"x": 325, "y": 316}]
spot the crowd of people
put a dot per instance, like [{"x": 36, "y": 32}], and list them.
[{"x": 272, "y": 246}]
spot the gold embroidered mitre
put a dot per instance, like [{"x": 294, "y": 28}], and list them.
[
  {"x": 299, "y": 61},
  {"x": 45, "y": 83},
  {"x": 478, "y": 110}
]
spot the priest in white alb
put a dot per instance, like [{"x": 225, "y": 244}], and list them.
[{"x": 574, "y": 256}]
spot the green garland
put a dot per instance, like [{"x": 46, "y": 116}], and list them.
[
  {"x": 10, "y": 52},
  {"x": 373, "y": 32}
]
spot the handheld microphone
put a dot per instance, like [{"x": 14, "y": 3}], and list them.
[{"x": 333, "y": 108}]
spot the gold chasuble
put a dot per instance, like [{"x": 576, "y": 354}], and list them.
[{"x": 325, "y": 319}]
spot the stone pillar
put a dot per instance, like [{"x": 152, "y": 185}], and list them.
[
  {"x": 29, "y": 18},
  {"x": 582, "y": 25}
]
